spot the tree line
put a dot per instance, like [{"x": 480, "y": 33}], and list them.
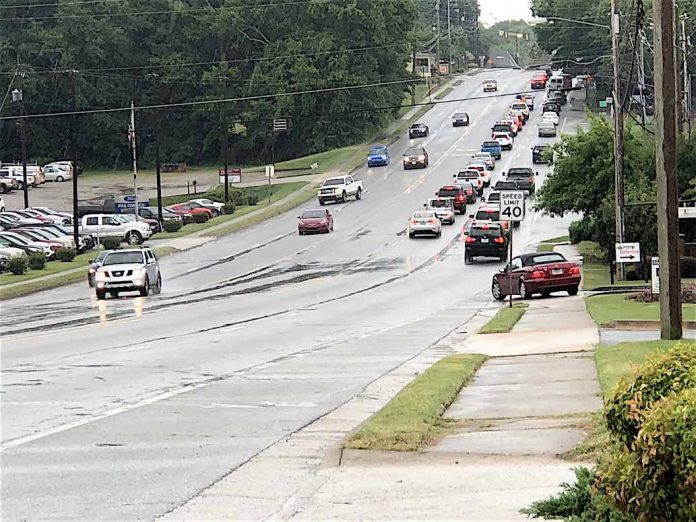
[{"x": 159, "y": 52}]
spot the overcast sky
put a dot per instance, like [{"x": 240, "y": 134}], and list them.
[{"x": 493, "y": 11}]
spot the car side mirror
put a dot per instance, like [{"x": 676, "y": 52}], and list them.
[
  {"x": 466, "y": 232},
  {"x": 503, "y": 174},
  {"x": 502, "y": 270},
  {"x": 471, "y": 216},
  {"x": 536, "y": 173},
  {"x": 299, "y": 217}
]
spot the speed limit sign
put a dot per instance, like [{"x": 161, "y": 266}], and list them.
[{"x": 512, "y": 207}]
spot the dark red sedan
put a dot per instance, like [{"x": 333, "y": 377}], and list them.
[
  {"x": 190, "y": 208},
  {"x": 319, "y": 220},
  {"x": 537, "y": 273}
]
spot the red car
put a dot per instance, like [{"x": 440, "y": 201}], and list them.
[
  {"x": 539, "y": 82},
  {"x": 315, "y": 220},
  {"x": 191, "y": 208},
  {"x": 537, "y": 273}
]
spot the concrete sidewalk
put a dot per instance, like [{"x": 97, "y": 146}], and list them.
[{"x": 525, "y": 408}]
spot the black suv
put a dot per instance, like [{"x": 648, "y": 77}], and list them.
[
  {"x": 415, "y": 157},
  {"x": 458, "y": 195},
  {"x": 524, "y": 176},
  {"x": 418, "y": 130},
  {"x": 485, "y": 239},
  {"x": 539, "y": 154},
  {"x": 551, "y": 106},
  {"x": 505, "y": 185}
]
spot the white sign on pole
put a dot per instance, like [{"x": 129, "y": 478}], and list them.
[
  {"x": 627, "y": 252},
  {"x": 655, "y": 264},
  {"x": 270, "y": 171},
  {"x": 512, "y": 207},
  {"x": 687, "y": 212}
]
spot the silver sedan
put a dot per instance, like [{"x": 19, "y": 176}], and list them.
[{"x": 424, "y": 222}]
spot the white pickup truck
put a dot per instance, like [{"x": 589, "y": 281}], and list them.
[
  {"x": 106, "y": 225},
  {"x": 339, "y": 189}
]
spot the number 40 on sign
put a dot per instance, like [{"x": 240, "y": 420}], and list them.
[{"x": 512, "y": 207}]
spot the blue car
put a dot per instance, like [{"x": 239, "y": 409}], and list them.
[
  {"x": 493, "y": 147},
  {"x": 378, "y": 156}
]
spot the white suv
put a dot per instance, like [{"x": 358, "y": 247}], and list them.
[{"x": 132, "y": 270}]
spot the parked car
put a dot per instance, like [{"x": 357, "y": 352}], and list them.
[
  {"x": 191, "y": 208},
  {"x": 105, "y": 225},
  {"x": 135, "y": 270},
  {"x": 154, "y": 224},
  {"x": 26, "y": 220},
  {"x": 16, "y": 240},
  {"x": 536, "y": 273},
  {"x": 42, "y": 234},
  {"x": 151, "y": 213},
  {"x": 443, "y": 208},
  {"x": 30, "y": 213},
  {"x": 460, "y": 119},
  {"x": 315, "y": 220},
  {"x": 493, "y": 148},
  {"x": 94, "y": 265},
  {"x": 214, "y": 206},
  {"x": 424, "y": 222},
  {"x": 378, "y": 156},
  {"x": 339, "y": 189},
  {"x": 2, "y": 204},
  {"x": 415, "y": 157},
  {"x": 7, "y": 183},
  {"x": 57, "y": 173},
  {"x": 66, "y": 217},
  {"x": 418, "y": 130},
  {"x": 485, "y": 239},
  {"x": 458, "y": 195}
]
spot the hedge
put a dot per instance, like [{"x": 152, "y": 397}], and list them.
[
  {"x": 172, "y": 225},
  {"x": 65, "y": 254},
  {"x": 200, "y": 218},
  {"x": 17, "y": 265},
  {"x": 37, "y": 261},
  {"x": 111, "y": 243}
]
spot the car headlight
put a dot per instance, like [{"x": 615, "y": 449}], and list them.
[
  {"x": 100, "y": 276},
  {"x": 421, "y": 158}
]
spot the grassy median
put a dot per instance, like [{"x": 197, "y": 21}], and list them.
[
  {"x": 605, "y": 309},
  {"x": 414, "y": 417},
  {"x": 505, "y": 319}
]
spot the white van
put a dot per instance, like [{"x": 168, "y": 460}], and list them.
[
  {"x": 559, "y": 82},
  {"x": 35, "y": 175}
]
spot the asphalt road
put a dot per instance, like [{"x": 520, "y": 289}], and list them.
[{"x": 125, "y": 409}]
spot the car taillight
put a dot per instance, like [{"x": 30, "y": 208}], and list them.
[
  {"x": 538, "y": 274},
  {"x": 531, "y": 180},
  {"x": 469, "y": 191},
  {"x": 499, "y": 240},
  {"x": 433, "y": 221},
  {"x": 414, "y": 221},
  {"x": 460, "y": 197},
  {"x": 470, "y": 239},
  {"x": 575, "y": 270}
]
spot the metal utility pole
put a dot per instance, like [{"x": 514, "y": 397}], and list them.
[
  {"x": 618, "y": 130},
  {"x": 225, "y": 159},
  {"x": 132, "y": 140},
  {"x": 18, "y": 99},
  {"x": 666, "y": 130},
  {"x": 685, "y": 69},
  {"x": 73, "y": 145},
  {"x": 449, "y": 34},
  {"x": 437, "y": 58},
  {"x": 158, "y": 161},
  {"x": 641, "y": 80}
]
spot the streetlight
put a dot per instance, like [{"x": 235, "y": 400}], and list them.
[{"x": 18, "y": 98}]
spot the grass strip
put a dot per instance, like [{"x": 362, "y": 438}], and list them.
[
  {"x": 605, "y": 309},
  {"x": 505, "y": 319},
  {"x": 414, "y": 417},
  {"x": 545, "y": 247},
  {"x": 556, "y": 240},
  {"x": 443, "y": 94}
]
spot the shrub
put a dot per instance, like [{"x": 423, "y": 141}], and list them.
[
  {"x": 229, "y": 208},
  {"x": 17, "y": 265},
  {"x": 688, "y": 267},
  {"x": 580, "y": 231},
  {"x": 111, "y": 243},
  {"x": 252, "y": 199},
  {"x": 660, "y": 376},
  {"x": 65, "y": 254},
  {"x": 200, "y": 218},
  {"x": 657, "y": 481},
  {"x": 172, "y": 225},
  {"x": 591, "y": 251},
  {"x": 646, "y": 296},
  {"x": 238, "y": 198},
  {"x": 37, "y": 261}
]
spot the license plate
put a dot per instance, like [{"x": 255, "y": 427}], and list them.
[
  {"x": 484, "y": 240},
  {"x": 557, "y": 271},
  {"x": 422, "y": 222}
]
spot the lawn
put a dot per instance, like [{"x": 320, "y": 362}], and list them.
[
  {"x": 505, "y": 319},
  {"x": 617, "y": 361},
  {"x": 327, "y": 161},
  {"x": 443, "y": 94},
  {"x": 52, "y": 267},
  {"x": 615, "y": 307},
  {"x": 414, "y": 417},
  {"x": 421, "y": 91}
]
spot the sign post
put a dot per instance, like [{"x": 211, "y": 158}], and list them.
[
  {"x": 233, "y": 175},
  {"x": 655, "y": 272},
  {"x": 512, "y": 210}
]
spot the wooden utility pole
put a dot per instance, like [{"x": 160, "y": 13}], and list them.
[
  {"x": 666, "y": 130},
  {"x": 618, "y": 131},
  {"x": 685, "y": 67},
  {"x": 437, "y": 13}
]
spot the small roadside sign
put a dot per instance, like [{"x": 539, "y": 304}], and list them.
[
  {"x": 512, "y": 207},
  {"x": 233, "y": 175},
  {"x": 627, "y": 252},
  {"x": 122, "y": 203},
  {"x": 687, "y": 212},
  {"x": 655, "y": 265},
  {"x": 270, "y": 171},
  {"x": 280, "y": 125}
]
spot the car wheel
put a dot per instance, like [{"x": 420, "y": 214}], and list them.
[
  {"x": 101, "y": 294},
  {"x": 215, "y": 213},
  {"x": 411, "y": 235},
  {"x": 524, "y": 293},
  {"x": 439, "y": 233},
  {"x": 60, "y": 179},
  {"x": 158, "y": 289},
  {"x": 358, "y": 194},
  {"x": 134, "y": 238},
  {"x": 145, "y": 290},
  {"x": 90, "y": 281},
  {"x": 573, "y": 290},
  {"x": 343, "y": 197},
  {"x": 3, "y": 189},
  {"x": 468, "y": 258},
  {"x": 545, "y": 293},
  {"x": 495, "y": 291},
  {"x": 322, "y": 202}
]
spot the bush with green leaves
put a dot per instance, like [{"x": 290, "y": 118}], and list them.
[
  {"x": 581, "y": 231},
  {"x": 252, "y": 199},
  {"x": 172, "y": 225},
  {"x": 659, "y": 377},
  {"x": 688, "y": 267},
  {"x": 37, "y": 261},
  {"x": 66, "y": 254},
  {"x": 229, "y": 208},
  {"x": 111, "y": 243},
  {"x": 200, "y": 218},
  {"x": 18, "y": 265}
]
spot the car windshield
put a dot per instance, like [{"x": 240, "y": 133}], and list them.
[
  {"x": 519, "y": 172},
  {"x": 417, "y": 126},
  {"x": 494, "y": 196},
  {"x": 439, "y": 203},
  {"x": 491, "y": 144},
  {"x": 541, "y": 148},
  {"x": 313, "y": 214},
  {"x": 378, "y": 150},
  {"x": 448, "y": 192},
  {"x": 545, "y": 259},
  {"x": 100, "y": 257},
  {"x": 423, "y": 215},
  {"x": 19, "y": 239},
  {"x": 460, "y": 115},
  {"x": 490, "y": 214},
  {"x": 334, "y": 181},
  {"x": 484, "y": 232},
  {"x": 506, "y": 185},
  {"x": 123, "y": 258},
  {"x": 482, "y": 155},
  {"x": 501, "y": 135},
  {"x": 414, "y": 151}
]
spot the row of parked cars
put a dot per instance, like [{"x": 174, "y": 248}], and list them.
[{"x": 12, "y": 175}]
